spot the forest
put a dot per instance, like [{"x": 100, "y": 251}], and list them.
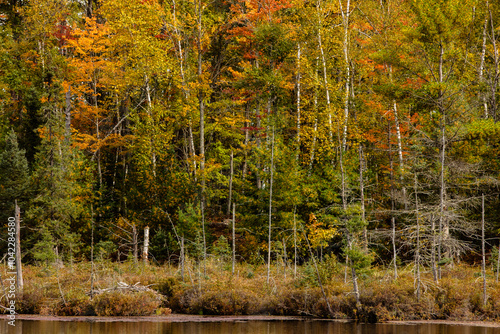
[{"x": 335, "y": 134}]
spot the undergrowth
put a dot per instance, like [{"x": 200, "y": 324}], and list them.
[{"x": 213, "y": 290}]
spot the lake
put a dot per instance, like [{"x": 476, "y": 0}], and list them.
[{"x": 230, "y": 327}]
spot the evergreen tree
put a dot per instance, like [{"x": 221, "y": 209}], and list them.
[{"x": 14, "y": 176}]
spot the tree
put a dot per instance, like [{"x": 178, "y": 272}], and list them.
[{"x": 14, "y": 175}]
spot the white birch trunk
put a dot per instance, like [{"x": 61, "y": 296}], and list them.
[
  {"x": 400, "y": 151},
  {"x": 185, "y": 90},
  {"x": 145, "y": 250},
  {"x": 345, "y": 20},
  {"x": 481, "y": 66},
  {"x": 496, "y": 59},
  {"x": 150, "y": 114},
  {"x": 325, "y": 76},
  {"x": 298, "y": 101}
]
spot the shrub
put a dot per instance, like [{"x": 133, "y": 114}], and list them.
[
  {"x": 75, "y": 306},
  {"x": 30, "y": 302},
  {"x": 216, "y": 301},
  {"x": 166, "y": 287},
  {"x": 118, "y": 303}
]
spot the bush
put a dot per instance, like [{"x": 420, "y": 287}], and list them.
[
  {"x": 75, "y": 306},
  {"x": 30, "y": 302},
  {"x": 327, "y": 269},
  {"x": 216, "y": 301},
  {"x": 166, "y": 287},
  {"x": 118, "y": 303},
  {"x": 300, "y": 302}
]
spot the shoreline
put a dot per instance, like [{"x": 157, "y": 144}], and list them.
[{"x": 183, "y": 318}]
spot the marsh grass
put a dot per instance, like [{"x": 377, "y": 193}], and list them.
[{"x": 457, "y": 296}]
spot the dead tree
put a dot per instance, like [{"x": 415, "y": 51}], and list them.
[
  {"x": 146, "y": 245},
  {"x": 19, "y": 269}
]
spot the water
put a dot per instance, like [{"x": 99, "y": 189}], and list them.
[{"x": 241, "y": 327}]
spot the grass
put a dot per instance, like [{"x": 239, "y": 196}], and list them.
[{"x": 212, "y": 289}]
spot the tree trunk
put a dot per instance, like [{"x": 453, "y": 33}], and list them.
[
  {"x": 230, "y": 183},
  {"x": 417, "y": 251},
  {"x": 202, "y": 203},
  {"x": 150, "y": 115},
  {"x": 246, "y": 140},
  {"x": 362, "y": 195},
  {"x": 481, "y": 66},
  {"x": 433, "y": 250},
  {"x": 393, "y": 219},
  {"x": 394, "y": 251},
  {"x": 135, "y": 242},
  {"x": 67, "y": 113},
  {"x": 182, "y": 258},
  {"x": 92, "y": 254},
  {"x": 313, "y": 149},
  {"x": 315, "y": 133},
  {"x": 498, "y": 262},
  {"x": 496, "y": 62},
  {"x": 442, "y": 185},
  {"x": 258, "y": 141},
  {"x": 295, "y": 245},
  {"x": 285, "y": 260},
  {"x": 180, "y": 55},
  {"x": 270, "y": 210},
  {"x": 345, "y": 20},
  {"x": 400, "y": 152},
  {"x": 325, "y": 78},
  {"x": 353, "y": 274},
  {"x": 298, "y": 102},
  {"x": 483, "y": 252},
  {"x": 19, "y": 268},
  {"x": 234, "y": 239},
  {"x": 201, "y": 102},
  {"x": 146, "y": 245}
]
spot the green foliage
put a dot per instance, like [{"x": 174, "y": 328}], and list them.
[
  {"x": 43, "y": 250},
  {"x": 273, "y": 41},
  {"x": 494, "y": 259},
  {"x": 189, "y": 221},
  {"x": 328, "y": 269},
  {"x": 103, "y": 250},
  {"x": 14, "y": 175},
  {"x": 162, "y": 243},
  {"x": 221, "y": 249},
  {"x": 359, "y": 258},
  {"x": 100, "y": 119}
]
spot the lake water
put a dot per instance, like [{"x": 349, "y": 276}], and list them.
[{"x": 242, "y": 327}]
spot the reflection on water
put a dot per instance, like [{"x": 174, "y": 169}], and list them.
[{"x": 244, "y": 327}]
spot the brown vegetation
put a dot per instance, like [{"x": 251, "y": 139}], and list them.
[{"x": 458, "y": 296}]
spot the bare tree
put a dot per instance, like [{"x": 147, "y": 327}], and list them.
[
  {"x": 19, "y": 268},
  {"x": 417, "y": 251},
  {"x": 483, "y": 252},
  {"x": 270, "y": 210},
  {"x": 234, "y": 239}
]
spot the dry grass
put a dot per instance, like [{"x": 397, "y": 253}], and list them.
[{"x": 211, "y": 289}]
